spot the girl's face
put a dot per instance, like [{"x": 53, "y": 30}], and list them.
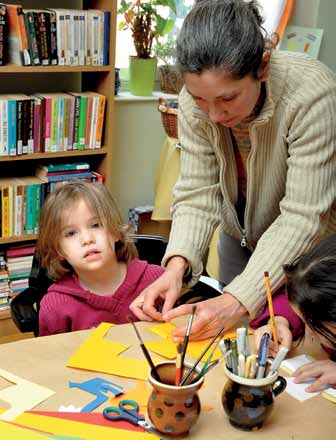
[
  {"x": 227, "y": 101},
  {"x": 309, "y": 331},
  {"x": 84, "y": 242}
]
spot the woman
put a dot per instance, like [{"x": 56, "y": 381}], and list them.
[{"x": 258, "y": 136}]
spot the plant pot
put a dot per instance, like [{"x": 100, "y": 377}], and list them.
[
  {"x": 171, "y": 81},
  {"x": 142, "y": 73}
]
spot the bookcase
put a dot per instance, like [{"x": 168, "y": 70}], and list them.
[{"x": 33, "y": 79}]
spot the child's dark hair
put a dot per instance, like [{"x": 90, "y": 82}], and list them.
[
  {"x": 64, "y": 199},
  {"x": 311, "y": 287},
  {"x": 222, "y": 34}
]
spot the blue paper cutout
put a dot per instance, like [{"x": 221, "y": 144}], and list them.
[{"x": 99, "y": 387}]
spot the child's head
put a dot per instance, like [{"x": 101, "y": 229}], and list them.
[
  {"x": 58, "y": 208},
  {"x": 311, "y": 288}
]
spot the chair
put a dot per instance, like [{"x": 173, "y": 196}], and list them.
[{"x": 25, "y": 306}]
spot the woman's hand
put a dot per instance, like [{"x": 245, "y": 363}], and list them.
[
  {"x": 162, "y": 293},
  {"x": 283, "y": 332},
  {"x": 209, "y": 317},
  {"x": 324, "y": 371}
]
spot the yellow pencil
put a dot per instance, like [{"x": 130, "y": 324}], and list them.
[{"x": 270, "y": 306}]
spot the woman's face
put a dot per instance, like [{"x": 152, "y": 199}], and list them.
[{"x": 227, "y": 101}]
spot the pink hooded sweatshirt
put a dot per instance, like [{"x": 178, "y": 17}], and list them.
[{"x": 68, "y": 307}]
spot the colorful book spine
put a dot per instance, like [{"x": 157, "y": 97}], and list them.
[
  {"x": 42, "y": 31},
  {"x": 88, "y": 122},
  {"x": 106, "y": 46},
  {"x": 3, "y": 36},
  {"x": 31, "y": 209},
  {"x": 47, "y": 124},
  {"x": 32, "y": 37},
  {"x": 60, "y": 124},
  {"x": 19, "y": 127},
  {"x": 68, "y": 176},
  {"x": 53, "y": 124},
  {"x": 4, "y": 127},
  {"x": 52, "y": 40},
  {"x": 12, "y": 127},
  {"x": 100, "y": 121}
]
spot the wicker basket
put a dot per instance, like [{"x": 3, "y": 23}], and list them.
[
  {"x": 169, "y": 116},
  {"x": 171, "y": 80}
]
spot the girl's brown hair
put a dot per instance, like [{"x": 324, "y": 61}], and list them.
[{"x": 103, "y": 205}]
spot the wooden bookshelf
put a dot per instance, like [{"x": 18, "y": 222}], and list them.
[{"x": 33, "y": 79}]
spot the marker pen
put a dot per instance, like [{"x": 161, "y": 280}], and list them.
[
  {"x": 278, "y": 359},
  {"x": 234, "y": 354},
  {"x": 263, "y": 355}
]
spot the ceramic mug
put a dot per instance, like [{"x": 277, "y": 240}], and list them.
[
  {"x": 173, "y": 409},
  {"x": 248, "y": 402}
]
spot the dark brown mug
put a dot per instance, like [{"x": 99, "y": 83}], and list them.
[
  {"x": 172, "y": 409},
  {"x": 248, "y": 402}
]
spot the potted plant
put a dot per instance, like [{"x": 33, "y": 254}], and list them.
[
  {"x": 171, "y": 80},
  {"x": 147, "y": 26}
]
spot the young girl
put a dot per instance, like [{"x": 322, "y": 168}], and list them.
[
  {"x": 86, "y": 251},
  {"x": 311, "y": 292}
]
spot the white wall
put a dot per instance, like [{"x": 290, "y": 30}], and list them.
[{"x": 139, "y": 135}]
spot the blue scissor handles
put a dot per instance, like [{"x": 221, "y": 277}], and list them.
[{"x": 127, "y": 410}]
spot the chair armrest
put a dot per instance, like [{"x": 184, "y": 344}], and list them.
[{"x": 23, "y": 312}]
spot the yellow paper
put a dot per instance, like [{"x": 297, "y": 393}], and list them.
[
  {"x": 96, "y": 354},
  {"x": 164, "y": 330},
  {"x": 22, "y": 395},
  {"x": 88, "y": 431},
  {"x": 167, "y": 348},
  {"x": 140, "y": 394},
  {"x": 12, "y": 432}
]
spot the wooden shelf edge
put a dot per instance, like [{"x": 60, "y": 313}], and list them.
[
  {"x": 18, "y": 239},
  {"x": 11, "y": 68},
  {"x": 70, "y": 153}
]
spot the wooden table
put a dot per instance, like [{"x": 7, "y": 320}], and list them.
[{"x": 43, "y": 360}]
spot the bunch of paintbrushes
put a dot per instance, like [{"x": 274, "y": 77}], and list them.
[{"x": 181, "y": 378}]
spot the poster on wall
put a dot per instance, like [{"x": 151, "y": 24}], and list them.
[{"x": 302, "y": 39}]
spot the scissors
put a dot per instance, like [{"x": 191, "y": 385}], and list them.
[{"x": 128, "y": 410}]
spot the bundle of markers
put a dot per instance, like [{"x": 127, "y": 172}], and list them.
[{"x": 241, "y": 362}]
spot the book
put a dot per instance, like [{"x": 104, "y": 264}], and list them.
[
  {"x": 20, "y": 251},
  {"x": 106, "y": 45},
  {"x": 66, "y": 176},
  {"x": 32, "y": 36},
  {"x": 3, "y": 35},
  {"x": 18, "y": 47},
  {"x": 63, "y": 167}
]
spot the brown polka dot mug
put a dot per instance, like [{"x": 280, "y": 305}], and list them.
[
  {"x": 172, "y": 409},
  {"x": 248, "y": 402}
]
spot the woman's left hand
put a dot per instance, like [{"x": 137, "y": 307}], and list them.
[{"x": 324, "y": 371}]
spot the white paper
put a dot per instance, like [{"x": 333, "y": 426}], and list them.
[
  {"x": 272, "y": 12},
  {"x": 297, "y": 390}
]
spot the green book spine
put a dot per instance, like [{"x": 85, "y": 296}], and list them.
[
  {"x": 53, "y": 124},
  {"x": 31, "y": 192},
  {"x": 82, "y": 122}
]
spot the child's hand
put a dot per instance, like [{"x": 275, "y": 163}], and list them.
[
  {"x": 324, "y": 371},
  {"x": 283, "y": 332}
]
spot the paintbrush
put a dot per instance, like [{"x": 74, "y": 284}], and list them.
[
  {"x": 178, "y": 374},
  {"x": 192, "y": 369},
  {"x": 145, "y": 351},
  {"x": 186, "y": 337}
]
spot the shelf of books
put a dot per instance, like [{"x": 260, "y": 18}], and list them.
[{"x": 53, "y": 134}]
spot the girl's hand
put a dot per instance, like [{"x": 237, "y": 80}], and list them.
[
  {"x": 283, "y": 332},
  {"x": 324, "y": 371}
]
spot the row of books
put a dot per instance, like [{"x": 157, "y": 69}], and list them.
[
  {"x": 54, "y": 36},
  {"x": 50, "y": 122},
  {"x": 23, "y": 197},
  {"x": 14, "y": 272}
]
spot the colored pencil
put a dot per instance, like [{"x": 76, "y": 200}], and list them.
[
  {"x": 270, "y": 307},
  {"x": 145, "y": 351}
]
